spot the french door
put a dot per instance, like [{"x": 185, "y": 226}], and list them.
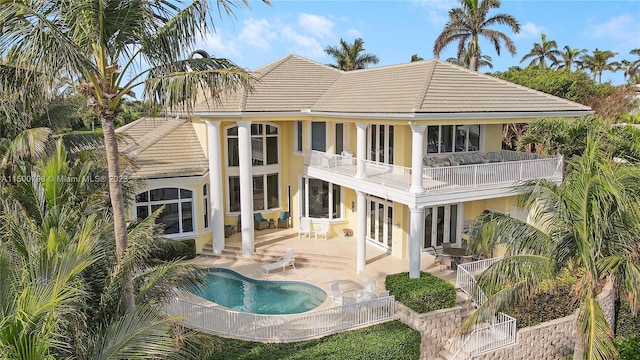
[
  {"x": 380, "y": 142},
  {"x": 380, "y": 221},
  {"x": 441, "y": 224}
]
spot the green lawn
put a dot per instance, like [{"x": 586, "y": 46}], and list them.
[
  {"x": 388, "y": 341},
  {"x": 86, "y": 130}
]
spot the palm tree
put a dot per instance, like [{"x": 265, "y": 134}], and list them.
[
  {"x": 100, "y": 46},
  {"x": 542, "y": 51},
  {"x": 468, "y": 22},
  {"x": 589, "y": 222},
  {"x": 415, "y": 58},
  {"x": 630, "y": 68},
  {"x": 465, "y": 60},
  {"x": 570, "y": 56},
  {"x": 350, "y": 56},
  {"x": 598, "y": 62}
]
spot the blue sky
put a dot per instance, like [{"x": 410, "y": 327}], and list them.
[{"x": 394, "y": 30}]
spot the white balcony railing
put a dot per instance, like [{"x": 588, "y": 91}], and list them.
[
  {"x": 515, "y": 167},
  {"x": 282, "y": 328}
]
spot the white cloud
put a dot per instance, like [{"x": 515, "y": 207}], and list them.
[
  {"x": 353, "y": 34},
  {"x": 257, "y": 33},
  {"x": 219, "y": 46},
  {"x": 437, "y": 10},
  {"x": 618, "y": 27},
  {"x": 530, "y": 31},
  {"x": 301, "y": 44},
  {"x": 316, "y": 25}
]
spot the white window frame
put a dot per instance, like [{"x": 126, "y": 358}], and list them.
[
  {"x": 303, "y": 204},
  {"x": 179, "y": 201},
  {"x": 298, "y": 137},
  {"x": 326, "y": 135},
  {"x": 440, "y": 142}
]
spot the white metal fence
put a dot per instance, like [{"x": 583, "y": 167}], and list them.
[
  {"x": 498, "y": 332},
  {"x": 282, "y": 328}
]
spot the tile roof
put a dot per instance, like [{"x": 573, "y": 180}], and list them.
[
  {"x": 431, "y": 87},
  {"x": 163, "y": 147}
]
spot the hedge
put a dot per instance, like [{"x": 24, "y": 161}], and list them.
[
  {"x": 424, "y": 294},
  {"x": 628, "y": 348},
  {"x": 388, "y": 341}
]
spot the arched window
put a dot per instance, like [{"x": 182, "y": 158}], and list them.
[
  {"x": 265, "y": 167},
  {"x": 177, "y": 215}
]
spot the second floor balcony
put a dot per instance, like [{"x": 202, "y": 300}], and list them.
[{"x": 444, "y": 174}]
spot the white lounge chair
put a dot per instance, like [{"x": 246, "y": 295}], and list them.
[
  {"x": 370, "y": 286},
  {"x": 282, "y": 262},
  {"x": 325, "y": 225},
  {"x": 305, "y": 227},
  {"x": 336, "y": 295}
]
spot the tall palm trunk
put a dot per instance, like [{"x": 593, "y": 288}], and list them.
[
  {"x": 117, "y": 204},
  {"x": 473, "y": 53}
]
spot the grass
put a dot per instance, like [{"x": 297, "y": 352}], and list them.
[
  {"x": 388, "y": 341},
  {"x": 86, "y": 130}
]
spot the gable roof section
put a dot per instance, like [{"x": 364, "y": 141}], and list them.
[
  {"x": 294, "y": 84},
  {"x": 163, "y": 147}
]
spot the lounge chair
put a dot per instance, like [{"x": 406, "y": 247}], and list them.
[
  {"x": 305, "y": 227},
  {"x": 259, "y": 223},
  {"x": 282, "y": 262},
  {"x": 325, "y": 226},
  {"x": 336, "y": 295}
]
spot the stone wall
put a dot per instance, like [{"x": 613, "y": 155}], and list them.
[
  {"x": 607, "y": 301},
  {"x": 550, "y": 340},
  {"x": 435, "y": 327}
]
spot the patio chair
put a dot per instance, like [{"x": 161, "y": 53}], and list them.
[
  {"x": 259, "y": 223},
  {"x": 305, "y": 227},
  {"x": 283, "y": 262},
  {"x": 336, "y": 295},
  {"x": 436, "y": 252},
  {"x": 325, "y": 226},
  {"x": 283, "y": 220},
  {"x": 445, "y": 261},
  {"x": 370, "y": 285}
]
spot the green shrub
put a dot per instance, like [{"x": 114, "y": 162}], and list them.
[
  {"x": 553, "y": 304},
  {"x": 427, "y": 293},
  {"x": 628, "y": 348},
  {"x": 169, "y": 250},
  {"x": 388, "y": 341},
  {"x": 627, "y": 325}
]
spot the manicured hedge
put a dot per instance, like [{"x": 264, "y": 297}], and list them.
[
  {"x": 628, "y": 348},
  {"x": 543, "y": 307},
  {"x": 427, "y": 293},
  {"x": 387, "y": 341},
  {"x": 169, "y": 250}
]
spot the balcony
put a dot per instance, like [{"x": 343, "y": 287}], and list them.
[{"x": 509, "y": 168}]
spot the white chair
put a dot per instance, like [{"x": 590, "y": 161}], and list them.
[
  {"x": 384, "y": 294},
  {"x": 305, "y": 227},
  {"x": 370, "y": 286},
  {"x": 336, "y": 295},
  {"x": 283, "y": 262},
  {"x": 325, "y": 225},
  {"x": 445, "y": 261}
]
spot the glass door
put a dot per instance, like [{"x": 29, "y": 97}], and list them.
[
  {"x": 380, "y": 222},
  {"x": 440, "y": 225},
  {"x": 380, "y": 142}
]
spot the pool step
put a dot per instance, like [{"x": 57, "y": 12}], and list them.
[{"x": 302, "y": 259}]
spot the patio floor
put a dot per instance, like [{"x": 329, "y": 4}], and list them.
[{"x": 338, "y": 247}]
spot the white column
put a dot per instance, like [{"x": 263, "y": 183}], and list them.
[
  {"x": 246, "y": 186},
  {"x": 361, "y": 229},
  {"x": 361, "y": 149},
  {"x": 215, "y": 186},
  {"x": 417, "y": 146},
  {"x": 416, "y": 229}
]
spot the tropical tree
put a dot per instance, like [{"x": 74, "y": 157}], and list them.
[
  {"x": 465, "y": 60},
  {"x": 415, "y": 58},
  {"x": 598, "y": 62},
  {"x": 350, "y": 56},
  {"x": 469, "y": 22},
  {"x": 631, "y": 69},
  {"x": 542, "y": 51},
  {"x": 588, "y": 223},
  {"x": 100, "y": 47},
  {"x": 569, "y": 57}
]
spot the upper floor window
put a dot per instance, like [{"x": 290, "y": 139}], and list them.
[
  {"x": 452, "y": 138},
  {"x": 297, "y": 136},
  {"x": 264, "y": 145},
  {"x": 380, "y": 143},
  {"x": 177, "y": 215},
  {"x": 319, "y": 136},
  {"x": 339, "y": 138}
]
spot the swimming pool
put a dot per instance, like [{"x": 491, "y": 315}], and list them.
[{"x": 230, "y": 289}]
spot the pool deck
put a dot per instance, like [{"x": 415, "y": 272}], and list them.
[{"x": 342, "y": 249}]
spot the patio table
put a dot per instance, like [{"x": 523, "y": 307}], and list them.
[
  {"x": 358, "y": 295},
  {"x": 456, "y": 255}
]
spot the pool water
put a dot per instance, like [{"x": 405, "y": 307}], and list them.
[{"x": 232, "y": 290}]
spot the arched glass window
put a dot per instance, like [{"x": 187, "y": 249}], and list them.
[{"x": 177, "y": 215}]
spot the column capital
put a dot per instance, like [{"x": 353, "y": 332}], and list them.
[
  {"x": 243, "y": 123},
  {"x": 417, "y": 128},
  {"x": 361, "y": 125},
  {"x": 213, "y": 122},
  {"x": 414, "y": 210}
]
